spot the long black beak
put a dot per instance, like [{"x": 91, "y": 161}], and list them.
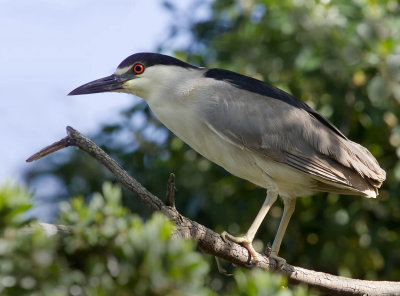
[{"x": 109, "y": 83}]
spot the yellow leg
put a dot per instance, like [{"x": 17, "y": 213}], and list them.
[
  {"x": 289, "y": 206},
  {"x": 247, "y": 239}
]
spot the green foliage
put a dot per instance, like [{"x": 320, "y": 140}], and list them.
[
  {"x": 11, "y": 208},
  {"x": 107, "y": 250},
  {"x": 257, "y": 282},
  {"x": 125, "y": 254},
  {"x": 26, "y": 258}
]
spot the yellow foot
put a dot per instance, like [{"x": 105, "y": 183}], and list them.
[
  {"x": 279, "y": 260},
  {"x": 245, "y": 242}
]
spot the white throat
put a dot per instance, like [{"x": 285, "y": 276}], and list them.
[{"x": 162, "y": 83}]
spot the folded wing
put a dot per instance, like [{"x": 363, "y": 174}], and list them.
[{"x": 290, "y": 132}]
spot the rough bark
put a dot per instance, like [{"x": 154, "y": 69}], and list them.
[{"x": 211, "y": 242}]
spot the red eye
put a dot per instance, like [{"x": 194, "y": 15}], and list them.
[{"x": 138, "y": 68}]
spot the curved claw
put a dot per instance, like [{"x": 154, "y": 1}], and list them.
[
  {"x": 279, "y": 260},
  {"x": 245, "y": 242}
]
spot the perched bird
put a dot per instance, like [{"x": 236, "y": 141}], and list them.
[{"x": 252, "y": 129}]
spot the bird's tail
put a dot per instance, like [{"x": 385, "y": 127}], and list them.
[{"x": 366, "y": 166}]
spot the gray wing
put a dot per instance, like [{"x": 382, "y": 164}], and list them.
[{"x": 289, "y": 135}]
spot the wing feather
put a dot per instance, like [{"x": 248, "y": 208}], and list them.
[{"x": 291, "y": 135}]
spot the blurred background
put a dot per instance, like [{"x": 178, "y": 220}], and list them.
[{"x": 340, "y": 57}]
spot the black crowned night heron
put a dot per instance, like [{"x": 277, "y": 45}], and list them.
[{"x": 254, "y": 130}]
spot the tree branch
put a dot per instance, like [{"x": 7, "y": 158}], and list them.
[
  {"x": 171, "y": 191},
  {"x": 211, "y": 242}
]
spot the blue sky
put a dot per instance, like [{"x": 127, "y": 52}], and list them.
[{"x": 47, "y": 50}]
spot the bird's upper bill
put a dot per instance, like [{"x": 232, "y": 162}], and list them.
[{"x": 110, "y": 83}]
